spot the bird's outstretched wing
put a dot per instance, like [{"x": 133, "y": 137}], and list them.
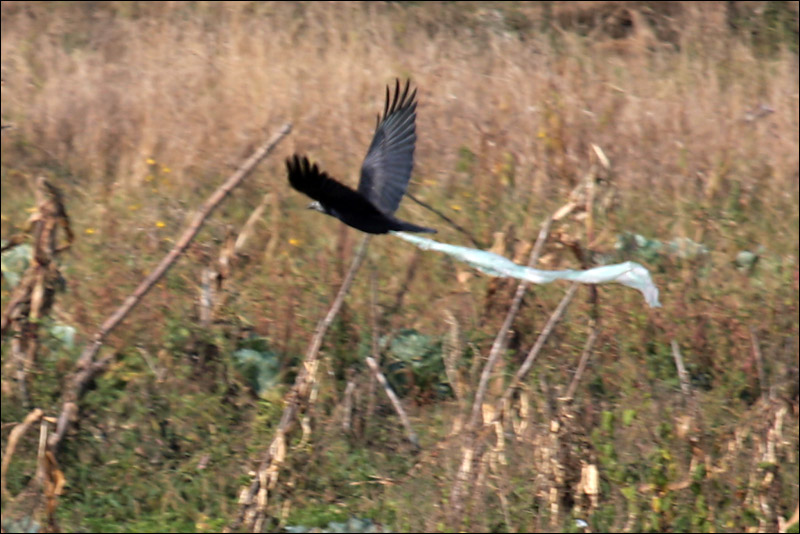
[
  {"x": 387, "y": 167},
  {"x": 308, "y": 179}
]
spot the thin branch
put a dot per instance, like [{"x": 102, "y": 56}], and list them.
[
  {"x": 347, "y": 418},
  {"x": 254, "y": 499},
  {"x": 471, "y": 442},
  {"x": 375, "y": 343},
  {"x": 587, "y": 352},
  {"x": 762, "y": 378},
  {"x": 86, "y": 361},
  {"x": 682, "y": 375},
  {"x": 312, "y": 353},
  {"x": 502, "y": 335},
  {"x": 398, "y": 407},
  {"x": 374, "y": 362},
  {"x": 537, "y": 347},
  {"x": 11, "y": 446}
]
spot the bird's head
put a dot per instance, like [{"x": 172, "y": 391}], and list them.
[{"x": 316, "y": 206}]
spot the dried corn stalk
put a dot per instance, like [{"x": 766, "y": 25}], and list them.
[{"x": 33, "y": 297}]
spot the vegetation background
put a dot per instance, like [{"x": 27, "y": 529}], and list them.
[{"x": 136, "y": 111}]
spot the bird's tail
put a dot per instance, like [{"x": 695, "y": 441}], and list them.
[{"x": 409, "y": 227}]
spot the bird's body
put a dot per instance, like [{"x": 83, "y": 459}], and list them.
[
  {"x": 373, "y": 221},
  {"x": 385, "y": 174}
]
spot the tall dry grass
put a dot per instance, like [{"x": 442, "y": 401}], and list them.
[
  {"x": 97, "y": 92},
  {"x": 101, "y": 88}
]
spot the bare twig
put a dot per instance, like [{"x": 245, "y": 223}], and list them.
[
  {"x": 213, "y": 276},
  {"x": 784, "y": 524},
  {"x": 502, "y": 335},
  {"x": 537, "y": 347},
  {"x": 34, "y": 296},
  {"x": 469, "y": 449},
  {"x": 13, "y": 439},
  {"x": 347, "y": 418},
  {"x": 312, "y": 353},
  {"x": 376, "y": 353},
  {"x": 87, "y": 367},
  {"x": 762, "y": 378},
  {"x": 453, "y": 352},
  {"x": 398, "y": 407},
  {"x": 374, "y": 364},
  {"x": 206, "y": 295},
  {"x": 411, "y": 272},
  {"x": 247, "y": 229},
  {"x": 254, "y": 499},
  {"x": 682, "y": 376},
  {"x": 587, "y": 351}
]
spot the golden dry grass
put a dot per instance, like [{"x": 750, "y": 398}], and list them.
[{"x": 104, "y": 88}]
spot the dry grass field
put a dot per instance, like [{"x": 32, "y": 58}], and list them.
[{"x": 682, "y": 118}]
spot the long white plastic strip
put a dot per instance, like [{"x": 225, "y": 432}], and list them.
[{"x": 629, "y": 273}]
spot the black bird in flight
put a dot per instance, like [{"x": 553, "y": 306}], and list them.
[{"x": 384, "y": 174}]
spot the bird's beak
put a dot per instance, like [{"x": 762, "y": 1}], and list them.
[{"x": 316, "y": 206}]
